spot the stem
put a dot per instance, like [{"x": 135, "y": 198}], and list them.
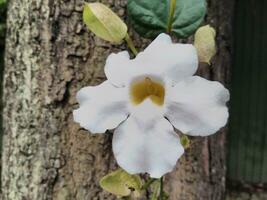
[
  {"x": 161, "y": 189},
  {"x": 131, "y": 44},
  {"x": 171, "y": 14},
  {"x": 126, "y": 198},
  {"x": 148, "y": 183}
]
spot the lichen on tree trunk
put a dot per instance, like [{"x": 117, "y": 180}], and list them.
[{"x": 49, "y": 56}]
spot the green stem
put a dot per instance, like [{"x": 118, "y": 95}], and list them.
[
  {"x": 161, "y": 189},
  {"x": 148, "y": 183},
  {"x": 171, "y": 14},
  {"x": 131, "y": 44}
]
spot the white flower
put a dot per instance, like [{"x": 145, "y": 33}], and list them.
[{"x": 145, "y": 98}]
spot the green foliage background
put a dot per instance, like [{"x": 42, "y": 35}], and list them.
[{"x": 3, "y": 6}]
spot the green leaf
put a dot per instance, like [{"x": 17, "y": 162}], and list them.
[
  {"x": 121, "y": 183},
  {"x": 180, "y": 17},
  {"x": 205, "y": 43},
  {"x": 103, "y": 22}
]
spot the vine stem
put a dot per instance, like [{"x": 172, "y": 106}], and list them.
[
  {"x": 148, "y": 183},
  {"x": 161, "y": 189},
  {"x": 130, "y": 44},
  {"x": 171, "y": 14}
]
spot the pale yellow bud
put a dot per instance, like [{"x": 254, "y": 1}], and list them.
[
  {"x": 103, "y": 22},
  {"x": 205, "y": 43}
]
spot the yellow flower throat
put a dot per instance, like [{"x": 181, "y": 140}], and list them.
[{"x": 147, "y": 89}]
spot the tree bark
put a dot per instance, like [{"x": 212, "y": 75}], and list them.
[{"x": 50, "y": 55}]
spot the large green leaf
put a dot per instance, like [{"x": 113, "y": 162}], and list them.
[{"x": 180, "y": 17}]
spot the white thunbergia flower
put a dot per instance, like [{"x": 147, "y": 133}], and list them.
[{"x": 145, "y": 98}]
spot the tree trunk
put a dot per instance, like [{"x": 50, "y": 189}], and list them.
[{"x": 49, "y": 56}]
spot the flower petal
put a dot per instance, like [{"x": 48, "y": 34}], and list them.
[
  {"x": 197, "y": 106},
  {"x": 101, "y": 107},
  {"x": 161, "y": 58},
  {"x": 117, "y": 68},
  {"x": 146, "y": 146},
  {"x": 164, "y": 58}
]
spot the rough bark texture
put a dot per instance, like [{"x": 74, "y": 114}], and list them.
[{"x": 49, "y": 56}]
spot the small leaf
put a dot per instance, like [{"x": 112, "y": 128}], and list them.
[
  {"x": 103, "y": 22},
  {"x": 205, "y": 43},
  {"x": 185, "y": 141},
  {"x": 121, "y": 183},
  {"x": 180, "y": 17}
]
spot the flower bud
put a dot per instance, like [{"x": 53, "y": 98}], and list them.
[
  {"x": 205, "y": 43},
  {"x": 103, "y": 22}
]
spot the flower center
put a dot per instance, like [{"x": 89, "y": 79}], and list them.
[{"x": 147, "y": 88}]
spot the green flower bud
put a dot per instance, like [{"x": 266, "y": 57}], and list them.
[{"x": 185, "y": 141}]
